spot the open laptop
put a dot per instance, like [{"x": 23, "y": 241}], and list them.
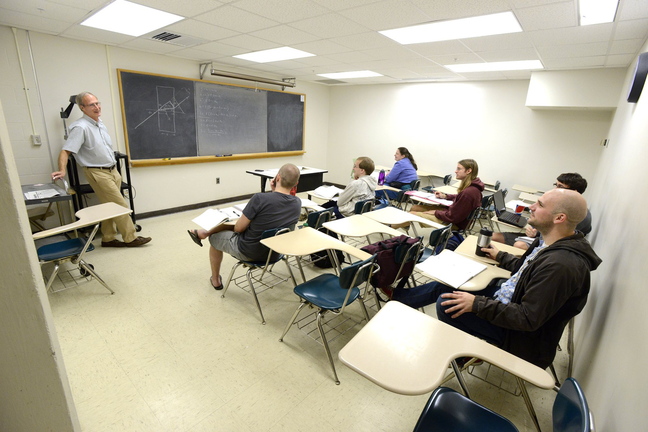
[{"x": 505, "y": 215}]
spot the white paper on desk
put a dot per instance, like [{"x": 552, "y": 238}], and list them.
[
  {"x": 210, "y": 219},
  {"x": 451, "y": 268},
  {"x": 327, "y": 192},
  {"x": 45, "y": 193},
  {"x": 240, "y": 207},
  {"x": 430, "y": 197},
  {"x": 311, "y": 204}
]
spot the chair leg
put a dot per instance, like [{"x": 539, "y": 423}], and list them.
[
  {"x": 248, "y": 274},
  {"x": 320, "y": 315},
  {"x": 83, "y": 265},
  {"x": 52, "y": 276},
  {"x": 570, "y": 347},
  {"x": 555, "y": 375},
  {"x": 292, "y": 320},
  {"x": 229, "y": 278},
  {"x": 462, "y": 382},
  {"x": 527, "y": 401},
  {"x": 292, "y": 276}
]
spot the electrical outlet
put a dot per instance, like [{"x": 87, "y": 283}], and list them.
[
  {"x": 217, "y": 180},
  {"x": 36, "y": 140}
]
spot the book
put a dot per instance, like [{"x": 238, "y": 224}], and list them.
[
  {"x": 211, "y": 218},
  {"x": 306, "y": 203},
  {"x": 430, "y": 197},
  {"x": 451, "y": 268},
  {"x": 327, "y": 192}
]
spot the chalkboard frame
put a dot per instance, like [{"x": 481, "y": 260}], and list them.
[{"x": 185, "y": 141}]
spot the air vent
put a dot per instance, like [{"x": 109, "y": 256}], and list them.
[
  {"x": 331, "y": 81},
  {"x": 175, "y": 39}
]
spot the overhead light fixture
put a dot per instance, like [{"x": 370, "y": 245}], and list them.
[
  {"x": 464, "y": 28},
  {"x": 352, "y": 74},
  {"x": 496, "y": 66},
  {"x": 131, "y": 19},
  {"x": 597, "y": 11},
  {"x": 275, "y": 54}
]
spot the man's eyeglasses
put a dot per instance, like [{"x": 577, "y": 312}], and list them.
[
  {"x": 93, "y": 105},
  {"x": 560, "y": 186}
]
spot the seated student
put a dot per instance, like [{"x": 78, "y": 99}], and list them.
[
  {"x": 572, "y": 181},
  {"x": 361, "y": 188},
  {"x": 468, "y": 198},
  {"x": 402, "y": 174},
  {"x": 525, "y": 315},
  {"x": 264, "y": 211}
]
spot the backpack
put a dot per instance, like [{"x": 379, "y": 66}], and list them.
[
  {"x": 389, "y": 253},
  {"x": 455, "y": 240}
]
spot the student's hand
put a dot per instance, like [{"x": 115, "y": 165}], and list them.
[
  {"x": 440, "y": 195},
  {"x": 491, "y": 251},
  {"x": 530, "y": 231},
  {"x": 460, "y": 302},
  {"x": 273, "y": 184}
]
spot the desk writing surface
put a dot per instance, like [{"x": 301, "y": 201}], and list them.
[
  {"x": 407, "y": 352},
  {"x": 447, "y": 189},
  {"x": 527, "y": 189},
  {"x": 306, "y": 241},
  {"x": 359, "y": 226},
  {"x": 469, "y": 245},
  {"x": 395, "y": 216},
  {"x": 525, "y": 196},
  {"x": 43, "y": 187},
  {"x": 478, "y": 282},
  {"x": 87, "y": 216}
]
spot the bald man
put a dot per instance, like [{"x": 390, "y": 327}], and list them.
[{"x": 527, "y": 313}]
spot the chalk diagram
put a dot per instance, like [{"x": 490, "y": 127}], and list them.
[{"x": 167, "y": 108}]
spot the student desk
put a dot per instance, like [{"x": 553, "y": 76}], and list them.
[
  {"x": 526, "y": 189},
  {"x": 37, "y": 194},
  {"x": 395, "y": 216},
  {"x": 309, "y": 178},
  {"x": 359, "y": 226},
  {"x": 525, "y": 196},
  {"x": 447, "y": 189},
  {"x": 407, "y": 352},
  {"x": 468, "y": 246}
]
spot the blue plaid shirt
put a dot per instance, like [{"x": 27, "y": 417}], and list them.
[{"x": 505, "y": 292}]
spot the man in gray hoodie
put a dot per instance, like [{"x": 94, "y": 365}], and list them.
[{"x": 362, "y": 187}]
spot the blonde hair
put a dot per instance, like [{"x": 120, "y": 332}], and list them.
[{"x": 472, "y": 165}]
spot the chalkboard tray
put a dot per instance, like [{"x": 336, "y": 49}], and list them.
[{"x": 172, "y": 120}]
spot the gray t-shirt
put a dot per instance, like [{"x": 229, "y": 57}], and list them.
[{"x": 267, "y": 211}]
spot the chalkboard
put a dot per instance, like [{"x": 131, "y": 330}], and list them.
[{"x": 169, "y": 117}]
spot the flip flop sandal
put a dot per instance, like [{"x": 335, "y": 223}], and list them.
[{"x": 194, "y": 236}]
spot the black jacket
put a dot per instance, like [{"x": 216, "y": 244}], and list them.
[{"x": 551, "y": 290}]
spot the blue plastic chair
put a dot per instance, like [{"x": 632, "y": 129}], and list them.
[
  {"x": 448, "y": 410},
  {"x": 330, "y": 293},
  {"x": 438, "y": 240}
]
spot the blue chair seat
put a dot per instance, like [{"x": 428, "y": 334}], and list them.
[
  {"x": 62, "y": 249},
  {"x": 325, "y": 292}
]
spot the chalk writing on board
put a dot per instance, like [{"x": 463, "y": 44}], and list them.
[{"x": 167, "y": 105}]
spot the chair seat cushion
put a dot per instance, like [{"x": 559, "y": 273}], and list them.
[
  {"x": 325, "y": 292},
  {"x": 62, "y": 249}
]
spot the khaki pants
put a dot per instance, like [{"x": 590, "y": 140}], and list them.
[{"x": 106, "y": 185}]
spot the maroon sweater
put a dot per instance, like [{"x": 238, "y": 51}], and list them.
[{"x": 464, "y": 202}]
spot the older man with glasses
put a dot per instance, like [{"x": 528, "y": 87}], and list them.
[{"x": 89, "y": 141}]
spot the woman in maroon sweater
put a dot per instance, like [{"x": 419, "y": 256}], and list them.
[{"x": 467, "y": 199}]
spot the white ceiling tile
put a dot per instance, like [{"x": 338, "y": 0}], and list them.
[
  {"x": 338, "y": 5},
  {"x": 249, "y": 43},
  {"x": 221, "y": 49},
  {"x": 577, "y": 50},
  {"x": 628, "y": 46},
  {"x": 236, "y": 19},
  {"x": 552, "y": 16},
  {"x": 635, "y": 29},
  {"x": 32, "y": 22},
  {"x": 456, "y": 59},
  {"x": 149, "y": 46},
  {"x": 186, "y": 9},
  {"x": 329, "y": 26},
  {"x": 496, "y": 42},
  {"x": 575, "y": 62},
  {"x": 200, "y": 29},
  {"x": 510, "y": 55},
  {"x": 364, "y": 41},
  {"x": 632, "y": 9},
  {"x": 96, "y": 35},
  {"x": 440, "y": 48},
  {"x": 322, "y": 47},
  {"x": 621, "y": 60},
  {"x": 387, "y": 15},
  {"x": 439, "y": 10},
  {"x": 283, "y": 11},
  {"x": 284, "y": 35}
]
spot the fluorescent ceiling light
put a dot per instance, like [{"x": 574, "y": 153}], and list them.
[
  {"x": 597, "y": 11},
  {"x": 276, "y": 54},
  {"x": 496, "y": 66},
  {"x": 485, "y": 25},
  {"x": 353, "y": 74},
  {"x": 129, "y": 18}
]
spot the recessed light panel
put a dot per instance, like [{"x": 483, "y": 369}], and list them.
[
  {"x": 597, "y": 11},
  {"x": 129, "y": 18},
  {"x": 463, "y": 28},
  {"x": 353, "y": 74},
  {"x": 496, "y": 66},
  {"x": 276, "y": 54}
]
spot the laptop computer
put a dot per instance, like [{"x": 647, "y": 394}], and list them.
[{"x": 505, "y": 215}]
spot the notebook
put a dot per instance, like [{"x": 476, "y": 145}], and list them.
[{"x": 505, "y": 215}]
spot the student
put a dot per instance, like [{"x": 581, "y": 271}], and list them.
[
  {"x": 362, "y": 187},
  {"x": 91, "y": 144},
  {"x": 467, "y": 199},
  {"x": 278, "y": 209},
  {"x": 572, "y": 181},
  {"x": 525, "y": 315},
  {"x": 402, "y": 173}
]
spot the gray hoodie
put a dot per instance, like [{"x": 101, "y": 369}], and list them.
[{"x": 361, "y": 189}]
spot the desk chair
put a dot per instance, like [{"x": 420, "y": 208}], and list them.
[
  {"x": 74, "y": 249},
  {"x": 37, "y": 215},
  {"x": 257, "y": 269},
  {"x": 363, "y": 206},
  {"x": 436, "y": 243},
  {"x": 330, "y": 293},
  {"x": 447, "y": 410},
  {"x": 315, "y": 220}
]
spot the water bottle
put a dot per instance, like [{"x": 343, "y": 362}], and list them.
[
  {"x": 483, "y": 240},
  {"x": 381, "y": 177}
]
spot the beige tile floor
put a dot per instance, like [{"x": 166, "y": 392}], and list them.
[{"x": 167, "y": 353}]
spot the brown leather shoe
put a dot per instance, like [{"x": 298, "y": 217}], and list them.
[
  {"x": 139, "y": 241},
  {"x": 113, "y": 243}
]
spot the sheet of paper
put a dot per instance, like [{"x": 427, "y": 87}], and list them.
[
  {"x": 240, "y": 207},
  {"x": 327, "y": 191},
  {"x": 451, "y": 268},
  {"x": 430, "y": 197},
  {"x": 41, "y": 194},
  {"x": 311, "y": 204},
  {"x": 210, "y": 218}
]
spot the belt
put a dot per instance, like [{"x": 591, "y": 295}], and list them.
[{"x": 103, "y": 168}]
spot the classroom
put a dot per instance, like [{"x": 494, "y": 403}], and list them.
[{"x": 522, "y": 129}]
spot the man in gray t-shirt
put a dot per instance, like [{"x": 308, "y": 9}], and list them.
[{"x": 277, "y": 209}]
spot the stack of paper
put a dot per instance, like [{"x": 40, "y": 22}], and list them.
[
  {"x": 213, "y": 217},
  {"x": 41, "y": 194},
  {"x": 327, "y": 192},
  {"x": 430, "y": 197},
  {"x": 451, "y": 268},
  {"x": 306, "y": 203}
]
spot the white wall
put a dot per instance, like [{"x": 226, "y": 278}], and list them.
[
  {"x": 610, "y": 341},
  {"x": 442, "y": 123}
]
